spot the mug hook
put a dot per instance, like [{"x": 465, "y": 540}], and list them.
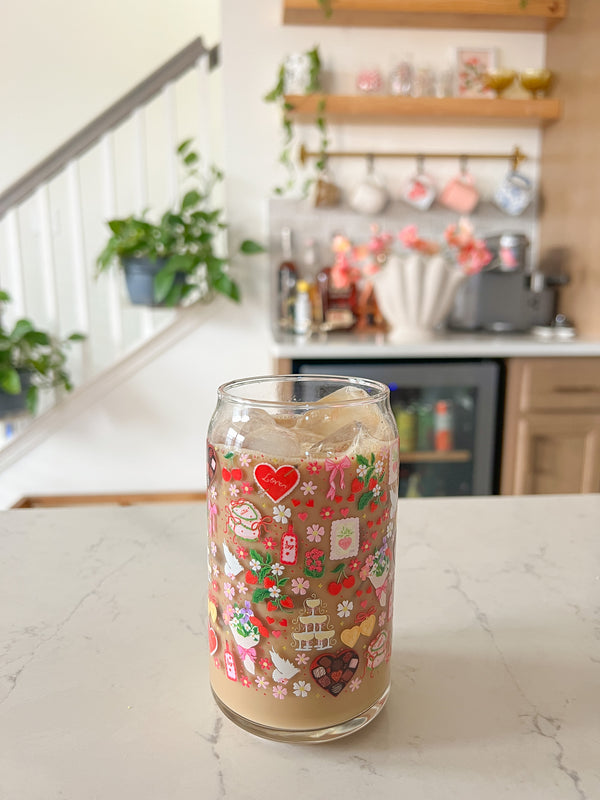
[
  {"x": 463, "y": 161},
  {"x": 370, "y": 163},
  {"x": 420, "y": 165}
]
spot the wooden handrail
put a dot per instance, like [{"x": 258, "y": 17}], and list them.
[{"x": 92, "y": 132}]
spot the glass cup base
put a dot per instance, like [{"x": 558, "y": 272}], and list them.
[{"x": 327, "y": 734}]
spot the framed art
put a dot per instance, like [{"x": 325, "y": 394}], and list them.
[{"x": 471, "y": 65}]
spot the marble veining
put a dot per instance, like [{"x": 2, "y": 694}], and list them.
[{"x": 496, "y": 663}]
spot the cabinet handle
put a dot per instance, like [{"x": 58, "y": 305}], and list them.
[{"x": 577, "y": 389}]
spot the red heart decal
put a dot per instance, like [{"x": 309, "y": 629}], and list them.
[
  {"x": 379, "y": 521},
  {"x": 374, "y": 535},
  {"x": 270, "y": 620},
  {"x": 338, "y": 498},
  {"x": 363, "y": 603},
  {"x": 370, "y": 523},
  {"x": 310, "y": 503},
  {"x": 332, "y": 671},
  {"x": 296, "y": 503},
  {"x": 276, "y": 483},
  {"x": 303, "y": 515},
  {"x": 350, "y": 498},
  {"x": 283, "y": 623},
  {"x": 344, "y": 512},
  {"x": 359, "y": 592},
  {"x": 369, "y": 589},
  {"x": 276, "y": 634}
]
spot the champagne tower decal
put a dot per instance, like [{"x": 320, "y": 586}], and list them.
[{"x": 313, "y": 633}]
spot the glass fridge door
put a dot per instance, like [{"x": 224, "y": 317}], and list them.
[{"x": 446, "y": 414}]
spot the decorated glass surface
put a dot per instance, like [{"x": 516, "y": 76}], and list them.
[{"x": 302, "y": 493}]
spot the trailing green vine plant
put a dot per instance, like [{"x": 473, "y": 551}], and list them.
[
  {"x": 326, "y": 7},
  {"x": 277, "y": 95}
]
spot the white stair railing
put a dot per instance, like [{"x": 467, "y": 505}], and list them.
[{"x": 53, "y": 221}]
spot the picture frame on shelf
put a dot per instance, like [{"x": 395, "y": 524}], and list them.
[{"x": 471, "y": 65}]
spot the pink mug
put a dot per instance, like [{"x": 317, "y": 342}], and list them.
[{"x": 460, "y": 194}]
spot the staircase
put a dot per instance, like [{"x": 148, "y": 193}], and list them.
[{"x": 52, "y": 226}]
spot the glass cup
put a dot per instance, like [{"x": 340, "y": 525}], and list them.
[{"x": 302, "y": 494}]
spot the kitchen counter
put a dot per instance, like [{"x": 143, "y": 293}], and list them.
[
  {"x": 496, "y": 663},
  {"x": 441, "y": 345}
]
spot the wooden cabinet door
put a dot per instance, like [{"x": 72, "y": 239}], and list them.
[{"x": 556, "y": 454}]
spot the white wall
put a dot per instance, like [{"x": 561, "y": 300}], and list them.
[
  {"x": 149, "y": 433},
  {"x": 62, "y": 63}
]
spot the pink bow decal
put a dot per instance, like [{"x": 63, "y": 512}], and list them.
[
  {"x": 335, "y": 468},
  {"x": 212, "y": 517},
  {"x": 381, "y": 593},
  {"x": 260, "y": 524},
  {"x": 247, "y": 652}
]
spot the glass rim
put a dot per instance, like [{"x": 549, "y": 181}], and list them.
[{"x": 380, "y": 391}]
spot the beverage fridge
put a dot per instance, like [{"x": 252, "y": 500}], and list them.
[{"x": 447, "y": 414}]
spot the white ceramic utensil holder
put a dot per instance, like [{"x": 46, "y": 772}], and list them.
[{"x": 415, "y": 294}]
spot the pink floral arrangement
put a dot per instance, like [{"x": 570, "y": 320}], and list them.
[
  {"x": 355, "y": 262},
  {"x": 363, "y": 260},
  {"x": 471, "y": 254}
]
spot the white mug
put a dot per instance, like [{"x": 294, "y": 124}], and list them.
[
  {"x": 419, "y": 192},
  {"x": 369, "y": 196}
]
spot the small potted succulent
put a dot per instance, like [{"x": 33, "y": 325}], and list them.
[
  {"x": 30, "y": 360},
  {"x": 175, "y": 261}
]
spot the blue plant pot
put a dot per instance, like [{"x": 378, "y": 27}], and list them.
[
  {"x": 13, "y": 404},
  {"x": 139, "y": 277}
]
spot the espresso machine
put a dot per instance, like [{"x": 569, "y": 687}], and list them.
[{"x": 507, "y": 296}]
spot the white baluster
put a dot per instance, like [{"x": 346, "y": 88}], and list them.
[
  {"x": 16, "y": 285},
  {"x": 204, "y": 124},
  {"x": 48, "y": 271},
  {"x": 79, "y": 263},
  {"x": 171, "y": 122},
  {"x": 110, "y": 202},
  {"x": 141, "y": 172}
]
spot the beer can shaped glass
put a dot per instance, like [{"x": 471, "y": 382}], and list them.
[{"x": 302, "y": 494}]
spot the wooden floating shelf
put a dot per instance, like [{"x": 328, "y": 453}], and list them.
[
  {"x": 372, "y": 108},
  {"x": 436, "y": 456},
  {"x": 508, "y": 15}
]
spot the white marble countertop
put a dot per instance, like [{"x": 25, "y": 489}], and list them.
[
  {"x": 496, "y": 664},
  {"x": 441, "y": 345}
]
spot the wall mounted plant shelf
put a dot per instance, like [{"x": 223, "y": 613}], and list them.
[{"x": 383, "y": 108}]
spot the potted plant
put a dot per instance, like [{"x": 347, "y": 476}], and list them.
[
  {"x": 30, "y": 360},
  {"x": 175, "y": 260}
]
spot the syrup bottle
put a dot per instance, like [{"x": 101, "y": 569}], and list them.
[{"x": 287, "y": 275}]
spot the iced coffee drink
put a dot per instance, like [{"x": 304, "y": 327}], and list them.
[{"x": 302, "y": 491}]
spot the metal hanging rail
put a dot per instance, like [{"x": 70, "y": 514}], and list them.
[{"x": 515, "y": 157}]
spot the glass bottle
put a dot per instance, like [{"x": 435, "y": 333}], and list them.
[{"x": 287, "y": 275}]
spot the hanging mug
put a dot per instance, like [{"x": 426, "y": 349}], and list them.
[
  {"x": 514, "y": 194},
  {"x": 419, "y": 192},
  {"x": 460, "y": 193},
  {"x": 370, "y": 195}
]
